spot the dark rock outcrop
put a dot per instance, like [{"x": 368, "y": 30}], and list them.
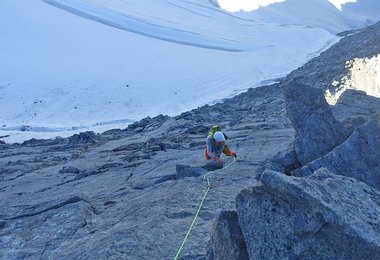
[
  {"x": 227, "y": 241},
  {"x": 358, "y": 157},
  {"x": 284, "y": 161},
  {"x": 188, "y": 171},
  {"x": 354, "y": 103},
  {"x": 69, "y": 169},
  {"x": 213, "y": 165},
  {"x": 88, "y": 137},
  {"x": 324, "y": 216},
  {"x": 317, "y": 131}
]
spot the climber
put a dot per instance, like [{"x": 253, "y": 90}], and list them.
[{"x": 216, "y": 144}]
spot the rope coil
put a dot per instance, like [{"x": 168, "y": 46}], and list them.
[{"x": 200, "y": 207}]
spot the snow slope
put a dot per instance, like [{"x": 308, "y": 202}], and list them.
[
  {"x": 325, "y": 14},
  {"x": 69, "y": 66}
]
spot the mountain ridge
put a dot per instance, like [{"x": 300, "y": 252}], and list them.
[
  {"x": 73, "y": 74},
  {"x": 118, "y": 194}
]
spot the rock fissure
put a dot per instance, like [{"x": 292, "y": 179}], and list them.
[{"x": 71, "y": 200}]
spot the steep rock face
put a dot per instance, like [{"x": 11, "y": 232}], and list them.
[
  {"x": 317, "y": 131},
  {"x": 357, "y": 157},
  {"x": 325, "y": 216}
]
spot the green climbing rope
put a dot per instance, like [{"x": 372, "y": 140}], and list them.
[{"x": 200, "y": 206}]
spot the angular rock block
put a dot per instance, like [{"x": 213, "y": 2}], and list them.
[
  {"x": 213, "y": 165},
  {"x": 188, "y": 171},
  {"x": 317, "y": 131},
  {"x": 323, "y": 216},
  {"x": 357, "y": 157},
  {"x": 227, "y": 241}
]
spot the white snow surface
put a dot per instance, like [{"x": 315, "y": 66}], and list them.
[
  {"x": 75, "y": 65},
  {"x": 250, "y": 5}
]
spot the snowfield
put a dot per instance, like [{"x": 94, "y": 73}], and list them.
[{"x": 69, "y": 66}]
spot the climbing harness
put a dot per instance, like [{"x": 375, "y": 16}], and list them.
[{"x": 200, "y": 206}]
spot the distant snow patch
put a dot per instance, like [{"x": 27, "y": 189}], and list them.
[
  {"x": 339, "y": 3},
  {"x": 245, "y": 5}
]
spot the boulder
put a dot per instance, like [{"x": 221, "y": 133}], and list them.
[
  {"x": 323, "y": 216},
  {"x": 213, "y": 165},
  {"x": 188, "y": 171},
  {"x": 227, "y": 241},
  {"x": 357, "y": 157},
  {"x": 317, "y": 131}
]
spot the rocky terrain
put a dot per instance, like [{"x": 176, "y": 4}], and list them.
[{"x": 132, "y": 193}]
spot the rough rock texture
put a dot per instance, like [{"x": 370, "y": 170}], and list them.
[
  {"x": 116, "y": 195},
  {"x": 134, "y": 203},
  {"x": 355, "y": 103},
  {"x": 330, "y": 65},
  {"x": 325, "y": 216},
  {"x": 284, "y": 161},
  {"x": 188, "y": 171},
  {"x": 357, "y": 157},
  {"x": 227, "y": 241},
  {"x": 317, "y": 131}
]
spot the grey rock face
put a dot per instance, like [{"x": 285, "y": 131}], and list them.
[
  {"x": 53, "y": 221},
  {"x": 317, "y": 131},
  {"x": 358, "y": 157},
  {"x": 188, "y": 171},
  {"x": 354, "y": 102},
  {"x": 227, "y": 241},
  {"x": 324, "y": 216},
  {"x": 284, "y": 161},
  {"x": 140, "y": 206},
  {"x": 140, "y": 209}
]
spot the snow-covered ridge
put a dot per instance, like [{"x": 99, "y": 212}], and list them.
[
  {"x": 107, "y": 63},
  {"x": 117, "y": 14}
]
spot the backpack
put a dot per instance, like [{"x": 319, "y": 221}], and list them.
[{"x": 214, "y": 129}]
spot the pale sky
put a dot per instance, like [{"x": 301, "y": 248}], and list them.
[{"x": 250, "y": 5}]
